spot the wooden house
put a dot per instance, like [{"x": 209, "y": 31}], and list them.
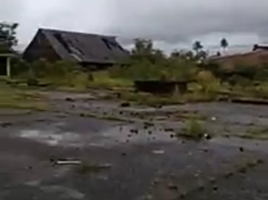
[{"x": 91, "y": 50}]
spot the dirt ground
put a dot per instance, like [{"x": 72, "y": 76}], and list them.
[{"x": 119, "y": 155}]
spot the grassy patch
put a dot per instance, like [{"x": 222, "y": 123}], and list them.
[
  {"x": 11, "y": 112},
  {"x": 256, "y": 133},
  {"x": 18, "y": 99},
  {"x": 193, "y": 129},
  {"x": 103, "y": 80},
  {"x": 87, "y": 168}
]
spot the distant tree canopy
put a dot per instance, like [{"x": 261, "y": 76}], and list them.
[
  {"x": 8, "y": 37},
  {"x": 197, "y": 46},
  {"x": 149, "y": 63},
  {"x": 224, "y": 43}
]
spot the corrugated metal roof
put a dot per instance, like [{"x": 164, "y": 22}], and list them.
[{"x": 84, "y": 47}]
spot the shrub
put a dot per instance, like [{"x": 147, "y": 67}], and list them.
[
  {"x": 193, "y": 129},
  {"x": 19, "y": 67},
  {"x": 209, "y": 83}
]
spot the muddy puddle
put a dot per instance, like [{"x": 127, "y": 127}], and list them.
[
  {"x": 146, "y": 160},
  {"x": 59, "y": 135}
]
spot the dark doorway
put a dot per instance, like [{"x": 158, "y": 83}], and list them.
[{"x": 3, "y": 69}]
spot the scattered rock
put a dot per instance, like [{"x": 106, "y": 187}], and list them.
[
  {"x": 260, "y": 161},
  {"x": 125, "y": 104},
  {"x": 213, "y": 118},
  {"x": 212, "y": 180},
  {"x": 92, "y": 168},
  {"x": 228, "y": 174},
  {"x": 6, "y": 124},
  {"x": 182, "y": 195},
  {"x": 118, "y": 95},
  {"x": 173, "y": 187},
  {"x": 207, "y": 136},
  {"x": 242, "y": 170},
  {"x": 69, "y": 99},
  {"x": 155, "y": 182},
  {"x": 41, "y": 120},
  {"x": 204, "y": 150},
  {"x": 148, "y": 124},
  {"x": 241, "y": 149},
  {"x": 82, "y": 114},
  {"x": 134, "y": 131},
  {"x": 215, "y": 188},
  {"x": 169, "y": 130},
  {"x": 200, "y": 188}
]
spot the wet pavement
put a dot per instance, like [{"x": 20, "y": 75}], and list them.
[{"x": 142, "y": 161}]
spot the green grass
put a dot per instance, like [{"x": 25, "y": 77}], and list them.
[
  {"x": 103, "y": 80},
  {"x": 18, "y": 99},
  {"x": 193, "y": 129},
  {"x": 260, "y": 132}
]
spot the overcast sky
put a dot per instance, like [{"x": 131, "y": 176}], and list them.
[{"x": 172, "y": 24}]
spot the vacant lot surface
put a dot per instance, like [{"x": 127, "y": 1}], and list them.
[{"x": 119, "y": 155}]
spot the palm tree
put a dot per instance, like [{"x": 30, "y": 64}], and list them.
[
  {"x": 224, "y": 44},
  {"x": 197, "y": 46}
]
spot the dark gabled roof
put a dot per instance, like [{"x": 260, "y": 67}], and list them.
[
  {"x": 84, "y": 47},
  {"x": 260, "y": 47}
]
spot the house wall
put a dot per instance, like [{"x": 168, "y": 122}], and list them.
[
  {"x": 248, "y": 59},
  {"x": 40, "y": 48}
]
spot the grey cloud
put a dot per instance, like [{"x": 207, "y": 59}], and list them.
[
  {"x": 172, "y": 20},
  {"x": 11, "y": 10},
  {"x": 168, "y": 22}
]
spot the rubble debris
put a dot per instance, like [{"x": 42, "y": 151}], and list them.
[
  {"x": 68, "y": 162},
  {"x": 173, "y": 187},
  {"x": 125, "y": 104},
  {"x": 159, "y": 152},
  {"x": 85, "y": 168},
  {"x": 6, "y": 124}
]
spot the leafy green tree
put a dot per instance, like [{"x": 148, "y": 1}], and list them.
[
  {"x": 142, "y": 47},
  {"x": 188, "y": 55},
  {"x": 8, "y": 37},
  {"x": 224, "y": 44},
  {"x": 201, "y": 55},
  {"x": 144, "y": 50}
]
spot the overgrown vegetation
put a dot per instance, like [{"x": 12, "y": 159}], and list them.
[
  {"x": 206, "y": 81},
  {"x": 193, "y": 129},
  {"x": 17, "y": 99}
]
